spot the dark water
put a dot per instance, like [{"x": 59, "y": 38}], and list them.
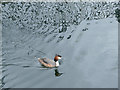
[{"x": 85, "y": 34}]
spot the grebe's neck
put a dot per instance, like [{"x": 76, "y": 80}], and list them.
[{"x": 56, "y": 63}]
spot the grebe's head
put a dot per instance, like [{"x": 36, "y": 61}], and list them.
[{"x": 57, "y": 57}]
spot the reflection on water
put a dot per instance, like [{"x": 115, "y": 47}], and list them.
[
  {"x": 84, "y": 33},
  {"x": 49, "y": 19},
  {"x": 117, "y": 14},
  {"x": 57, "y": 74}
]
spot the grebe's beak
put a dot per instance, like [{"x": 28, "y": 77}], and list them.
[{"x": 59, "y": 58}]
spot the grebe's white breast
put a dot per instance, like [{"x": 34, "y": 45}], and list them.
[{"x": 56, "y": 63}]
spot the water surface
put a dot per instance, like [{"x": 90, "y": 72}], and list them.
[{"x": 85, "y": 34}]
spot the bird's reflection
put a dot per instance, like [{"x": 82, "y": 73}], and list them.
[{"x": 57, "y": 74}]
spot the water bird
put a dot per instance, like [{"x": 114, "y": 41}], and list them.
[{"x": 50, "y": 63}]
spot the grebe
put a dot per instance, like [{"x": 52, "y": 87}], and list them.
[{"x": 50, "y": 63}]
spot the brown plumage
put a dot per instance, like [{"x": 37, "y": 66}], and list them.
[{"x": 42, "y": 61}]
